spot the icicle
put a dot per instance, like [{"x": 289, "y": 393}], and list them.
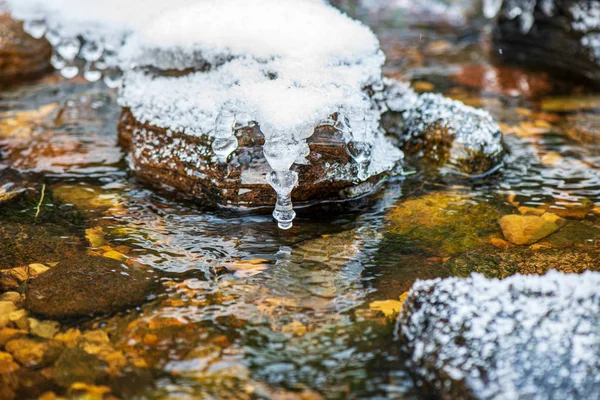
[
  {"x": 491, "y": 8},
  {"x": 281, "y": 154},
  {"x": 225, "y": 142},
  {"x": 36, "y": 28},
  {"x": 283, "y": 182},
  {"x": 355, "y": 131}
]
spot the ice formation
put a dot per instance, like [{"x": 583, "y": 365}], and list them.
[
  {"x": 87, "y": 35},
  {"x": 272, "y": 68},
  {"x": 532, "y": 337},
  {"x": 284, "y": 66}
]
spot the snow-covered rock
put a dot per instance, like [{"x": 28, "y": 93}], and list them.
[
  {"x": 531, "y": 337},
  {"x": 561, "y": 34}
]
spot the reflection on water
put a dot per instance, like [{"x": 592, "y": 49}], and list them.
[{"x": 246, "y": 310}]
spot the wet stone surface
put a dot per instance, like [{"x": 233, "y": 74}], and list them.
[
  {"x": 88, "y": 285},
  {"x": 187, "y": 165},
  {"x": 236, "y": 308},
  {"x": 21, "y": 56}
]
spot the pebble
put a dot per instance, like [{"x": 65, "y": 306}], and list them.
[{"x": 526, "y": 229}]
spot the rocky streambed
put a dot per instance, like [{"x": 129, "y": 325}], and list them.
[{"x": 113, "y": 290}]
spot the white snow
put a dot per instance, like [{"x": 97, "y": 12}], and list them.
[{"x": 287, "y": 66}]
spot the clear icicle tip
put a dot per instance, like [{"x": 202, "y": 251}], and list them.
[{"x": 283, "y": 182}]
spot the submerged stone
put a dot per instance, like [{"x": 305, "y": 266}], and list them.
[
  {"x": 440, "y": 224},
  {"x": 87, "y": 285},
  {"x": 527, "y": 229},
  {"x": 34, "y": 352},
  {"x": 560, "y": 35},
  {"x": 23, "y": 244},
  {"x": 525, "y": 336},
  {"x": 584, "y": 128},
  {"x": 500, "y": 264},
  {"x": 21, "y": 55}
]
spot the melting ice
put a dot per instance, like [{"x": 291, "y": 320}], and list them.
[{"x": 284, "y": 66}]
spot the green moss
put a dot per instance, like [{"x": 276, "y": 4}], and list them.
[{"x": 441, "y": 224}]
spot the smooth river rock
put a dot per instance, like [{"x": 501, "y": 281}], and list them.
[{"x": 87, "y": 285}]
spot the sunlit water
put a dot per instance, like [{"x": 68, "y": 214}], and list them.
[{"x": 248, "y": 310}]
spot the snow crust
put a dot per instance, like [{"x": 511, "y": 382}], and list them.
[
  {"x": 286, "y": 66},
  {"x": 532, "y": 337}
]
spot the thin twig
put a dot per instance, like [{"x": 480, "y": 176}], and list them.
[{"x": 39, "y": 206}]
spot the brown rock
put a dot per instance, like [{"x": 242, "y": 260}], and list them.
[
  {"x": 21, "y": 56},
  {"x": 187, "y": 164},
  {"x": 526, "y": 229},
  {"x": 34, "y": 352},
  {"x": 24, "y": 244},
  {"x": 87, "y": 285}
]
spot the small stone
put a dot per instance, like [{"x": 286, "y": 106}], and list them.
[
  {"x": 296, "y": 328},
  {"x": 13, "y": 297},
  {"x": 6, "y": 334},
  {"x": 37, "y": 269},
  {"x": 387, "y": 307},
  {"x": 115, "y": 255},
  {"x": 526, "y": 229},
  {"x": 76, "y": 365},
  {"x": 531, "y": 211},
  {"x": 33, "y": 352},
  {"x": 70, "y": 338},
  {"x": 19, "y": 318},
  {"x": 45, "y": 329},
  {"x": 551, "y": 159},
  {"x": 6, "y": 308},
  {"x": 499, "y": 243}
]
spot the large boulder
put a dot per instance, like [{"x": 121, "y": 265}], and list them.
[
  {"x": 563, "y": 35},
  {"x": 531, "y": 337},
  {"x": 176, "y": 161},
  {"x": 21, "y": 55}
]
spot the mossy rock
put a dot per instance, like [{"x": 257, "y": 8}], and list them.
[
  {"x": 441, "y": 224},
  {"x": 23, "y": 244}
]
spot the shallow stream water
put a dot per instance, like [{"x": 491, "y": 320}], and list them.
[{"x": 241, "y": 309}]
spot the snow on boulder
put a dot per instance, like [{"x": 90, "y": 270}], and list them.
[{"x": 533, "y": 337}]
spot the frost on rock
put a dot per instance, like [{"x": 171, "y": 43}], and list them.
[
  {"x": 533, "y": 337},
  {"x": 442, "y": 131},
  {"x": 566, "y": 34},
  {"x": 265, "y": 63},
  {"x": 212, "y": 67},
  {"x": 583, "y": 14}
]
